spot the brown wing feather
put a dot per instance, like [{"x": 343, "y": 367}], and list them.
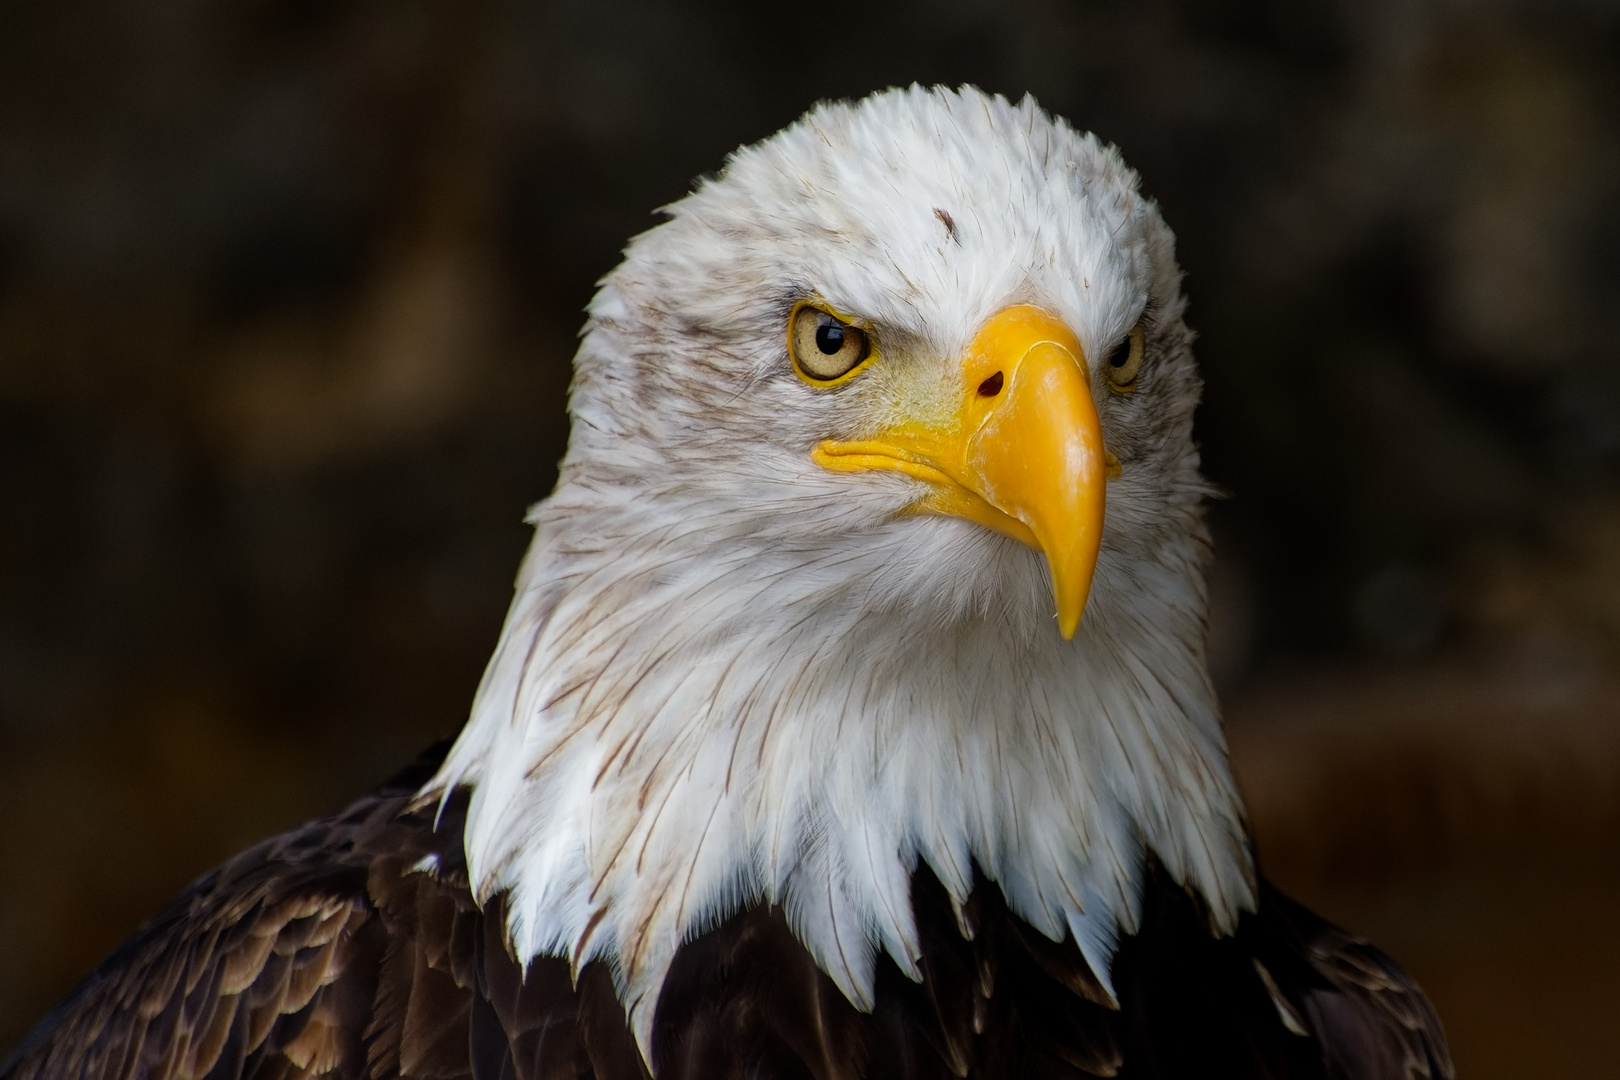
[
  {"x": 352, "y": 948},
  {"x": 1372, "y": 1019},
  {"x": 241, "y": 968},
  {"x": 266, "y": 967}
]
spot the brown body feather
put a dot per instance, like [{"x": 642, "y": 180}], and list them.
[{"x": 328, "y": 951}]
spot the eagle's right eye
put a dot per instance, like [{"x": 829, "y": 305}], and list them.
[
  {"x": 825, "y": 348},
  {"x": 1125, "y": 362}
]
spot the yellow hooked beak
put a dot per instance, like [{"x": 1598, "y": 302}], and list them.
[{"x": 1023, "y": 453}]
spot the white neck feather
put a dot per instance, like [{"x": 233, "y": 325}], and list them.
[{"x": 682, "y": 718}]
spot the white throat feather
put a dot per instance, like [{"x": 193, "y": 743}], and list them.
[{"x": 722, "y": 684}]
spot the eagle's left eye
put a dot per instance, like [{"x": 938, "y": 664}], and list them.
[
  {"x": 1125, "y": 361},
  {"x": 825, "y": 348}
]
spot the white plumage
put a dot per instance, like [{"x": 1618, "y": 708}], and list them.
[{"x": 732, "y": 675}]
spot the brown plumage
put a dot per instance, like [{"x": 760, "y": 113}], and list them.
[
  {"x": 744, "y": 668},
  {"x": 324, "y": 952}
]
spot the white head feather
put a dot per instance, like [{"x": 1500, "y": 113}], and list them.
[{"x": 730, "y": 676}]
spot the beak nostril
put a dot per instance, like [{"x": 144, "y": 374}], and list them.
[{"x": 991, "y": 386}]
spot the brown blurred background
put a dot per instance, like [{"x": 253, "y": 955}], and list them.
[{"x": 288, "y": 291}]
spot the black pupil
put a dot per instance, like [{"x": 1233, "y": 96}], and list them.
[
  {"x": 829, "y": 337},
  {"x": 1122, "y": 354}
]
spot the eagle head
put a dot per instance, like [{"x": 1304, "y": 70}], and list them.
[{"x": 877, "y": 543}]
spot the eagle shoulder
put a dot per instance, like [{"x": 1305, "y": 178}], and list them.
[
  {"x": 1371, "y": 1018},
  {"x": 348, "y": 947},
  {"x": 352, "y": 947}
]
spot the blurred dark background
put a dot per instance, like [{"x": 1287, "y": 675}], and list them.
[{"x": 289, "y": 289}]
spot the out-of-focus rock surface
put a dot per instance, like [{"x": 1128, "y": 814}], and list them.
[{"x": 288, "y": 292}]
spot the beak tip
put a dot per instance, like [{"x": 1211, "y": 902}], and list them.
[{"x": 1070, "y": 591}]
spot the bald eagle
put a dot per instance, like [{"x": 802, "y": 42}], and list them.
[{"x": 796, "y": 757}]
